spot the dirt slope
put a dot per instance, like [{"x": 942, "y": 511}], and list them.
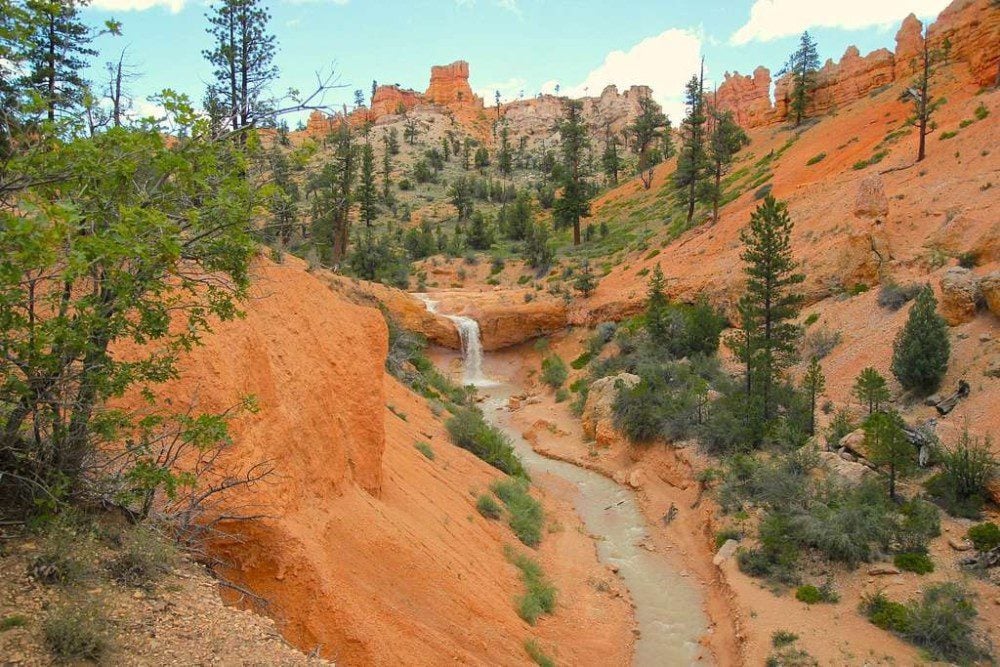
[{"x": 372, "y": 554}]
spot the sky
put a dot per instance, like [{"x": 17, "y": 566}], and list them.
[{"x": 515, "y": 46}]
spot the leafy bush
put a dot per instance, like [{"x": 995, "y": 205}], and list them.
[
  {"x": 815, "y": 594},
  {"x": 893, "y": 297},
  {"x": 525, "y": 514},
  {"x": 539, "y": 596},
  {"x": 782, "y": 638},
  {"x": 841, "y": 424},
  {"x": 920, "y": 563},
  {"x": 726, "y": 534},
  {"x": 815, "y": 159},
  {"x": 61, "y": 556},
  {"x": 885, "y": 613},
  {"x": 144, "y": 558},
  {"x": 561, "y": 395},
  {"x": 488, "y": 507},
  {"x": 966, "y": 473},
  {"x": 981, "y": 112},
  {"x": 554, "y": 371},
  {"x": 762, "y": 192},
  {"x": 537, "y": 655},
  {"x": 425, "y": 449},
  {"x": 470, "y": 431},
  {"x": 985, "y": 536},
  {"x": 76, "y": 632},
  {"x": 818, "y": 344}
]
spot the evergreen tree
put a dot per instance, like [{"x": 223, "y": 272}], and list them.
[
  {"x": 367, "y": 190},
  {"x": 283, "y": 201},
  {"x": 887, "y": 446},
  {"x": 585, "y": 282},
  {"x": 480, "y": 236},
  {"x": 611, "y": 162},
  {"x": 646, "y": 129},
  {"x": 920, "y": 353},
  {"x": 767, "y": 337},
  {"x": 871, "y": 390},
  {"x": 461, "y": 197},
  {"x": 658, "y": 316},
  {"x": 56, "y": 48},
  {"x": 482, "y": 158},
  {"x": 504, "y": 157},
  {"x": 387, "y": 170},
  {"x": 411, "y": 130},
  {"x": 332, "y": 190},
  {"x": 802, "y": 65},
  {"x": 538, "y": 252},
  {"x": 692, "y": 163},
  {"x": 393, "y": 141},
  {"x": 667, "y": 141},
  {"x": 445, "y": 149},
  {"x": 924, "y": 103},
  {"x": 726, "y": 139},
  {"x": 573, "y": 202},
  {"x": 242, "y": 56},
  {"x": 814, "y": 384}
]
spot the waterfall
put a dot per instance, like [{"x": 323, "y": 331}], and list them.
[{"x": 472, "y": 345}]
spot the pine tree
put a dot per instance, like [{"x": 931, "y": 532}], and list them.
[
  {"x": 57, "y": 47},
  {"x": 692, "y": 163},
  {"x": 480, "y": 235},
  {"x": 611, "y": 162},
  {"x": 920, "y": 353},
  {"x": 646, "y": 129},
  {"x": 657, "y": 307},
  {"x": 283, "y": 201},
  {"x": 242, "y": 57},
  {"x": 814, "y": 384},
  {"x": 445, "y": 149},
  {"x": 411, "y": 130},
  {"x": 871, "y": 390},
  {"x": 504, "y": 158},
  {"x": 482, "y": 158},
  {"x": 332, "y": 190},
  {"x": 887, "y": 446},
  {"x": 802, "y": 65},
  {"x": 726, "y": 139},
  {"x": 924, "y": 104},
  {"x": 573, "y": 202},
  {"x": 386, "y": 170},
  {"x": 767, "y": 337},
  {"x": 585, "y": 283},
  {"x": 367, "y": 190}
]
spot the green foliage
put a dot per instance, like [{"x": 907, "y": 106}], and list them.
[
  {"x": 537, "y": 654},
  {"x": 921, "y": 351},
  {"x": 967, "y": 470},
  {"x": 144, "y": 558},
  {"x": 380, "y": 258},
  {"x": 425, "y": 449},
  {"x": 841, "y": 424},
  {"x": 573, "y": 201},
  {"x": 981, "y": 112},
  {"x": 885, "y": 613},
  {"x": 540, "y": 595},
  {"x": 802, "y": 65},
  {"x": 726, "y": 534},
  {"x": 554, "y": 371},
  {"x": 816, "y": 159},
  {"x": 488, "y": 507},
  {"x": 693, "y": 163},
  {"x": 871, "y": 390},
  {"x": 470, "y": 431},
  {"x": 888, "y": 446},
  {"x": 585, "y": 282},
  {"x": 920, "y": 563},
  {"x": 13, "y": 621},
  {"x": 782, "y": 638},
  {"x": 893, "y": 297},
  {"x": 814, "y": 384},
  {"x": 985, "y": 536},
  {"x": 525, "y": 514},
  {"x": 76, "y": 631},
  {"x": 814, "y": 595}
]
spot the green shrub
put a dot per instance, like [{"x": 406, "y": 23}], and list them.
[
  {"x": 61, "y": 556},
  {"x": 76, "y": 632},
  {"x": 581, "y": 361},
  {"x": 985, "y": 536},
  {"x": 885, "y": 613},
  {"x": 13, "y": 621},
  {"x": 947, "y": 135},
  {"x": 726, "y": 534},
  {"x": 488, "y": 507},
  {"x": 815, "y": 159},
  {"x": 143, "y": 558},
  {"x": 554, "y": 371},
  {"x": 470, "y": 431},
  {"x": 966, "y": 473},
  {"x": 893, "y": 297},
  {"x": 921, "y": 350},
  {"x": 425, "y": 449},
  {"x": 562, "y": 394},
  {"x": 782, "y": 638},
  {"x": 537, "y": 655},
  {"x": 525, "y": 514},
  {"x": 762, "y": 192},
  {"x": 539, "y": 595},
  {"x": 981, "y": 112},
  {"x": 920, "y": 563}
]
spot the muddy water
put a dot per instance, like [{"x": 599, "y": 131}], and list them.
[{"x": 668, "y": 605}]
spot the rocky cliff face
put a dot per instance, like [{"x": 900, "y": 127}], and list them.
[
  {"x": 970, "y": 28},
  {"x": 450, "y": 86},
  {"x": 390, "y": 100}
]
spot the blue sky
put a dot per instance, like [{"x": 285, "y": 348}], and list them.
[{"x": 511, "y": 45}]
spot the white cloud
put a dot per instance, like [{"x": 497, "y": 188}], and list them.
[
  {"x": 773, "y": 19},
  {"x": 510, "y": 90},
  {"x": 137, "y": 5},
  {"x": 549, "y": 87},
  {"x": 664, "y": 63}
]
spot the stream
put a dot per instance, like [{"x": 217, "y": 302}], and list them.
[{"x": 668, "y": 605}]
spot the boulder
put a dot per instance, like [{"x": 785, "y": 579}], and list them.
[
  {"x": 882, "y": 570},
  {"x": 504, "y": 324},
  {"x": 597, "y": 411},
  {"x": 960, "y": 295},
  {"x": 870, "y": 200},
  {"x": 725, "y": 552},
  {"x": 854, "y": 442},
  {"x": 851, "y": 472},
  {"x": 989, "y": 286},
  {"x": 959, "y": 544}
]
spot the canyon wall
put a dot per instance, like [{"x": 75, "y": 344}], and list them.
[{"x": 969, "y": 28}]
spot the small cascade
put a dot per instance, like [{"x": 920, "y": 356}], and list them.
[{"x": 472, "y": 345}]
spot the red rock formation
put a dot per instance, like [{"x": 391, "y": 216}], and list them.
[
  {"x": 450, "y": 86},
  {"x": 971, "y": 27},
  {"x": 388, "y": 100}
]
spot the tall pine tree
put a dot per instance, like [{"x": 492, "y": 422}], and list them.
[
  {"x": 920, "y": 353},
  {"x": 802, "y": 65},
  {"x": 692, "y": 162},
  {"x": 726, "y": 139},
  {"x": 574, "y": 200},
  {"x": 766, "y": 340},
  {"x": 367, "y": 189},
  {"x": 646, "y": 129}
]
